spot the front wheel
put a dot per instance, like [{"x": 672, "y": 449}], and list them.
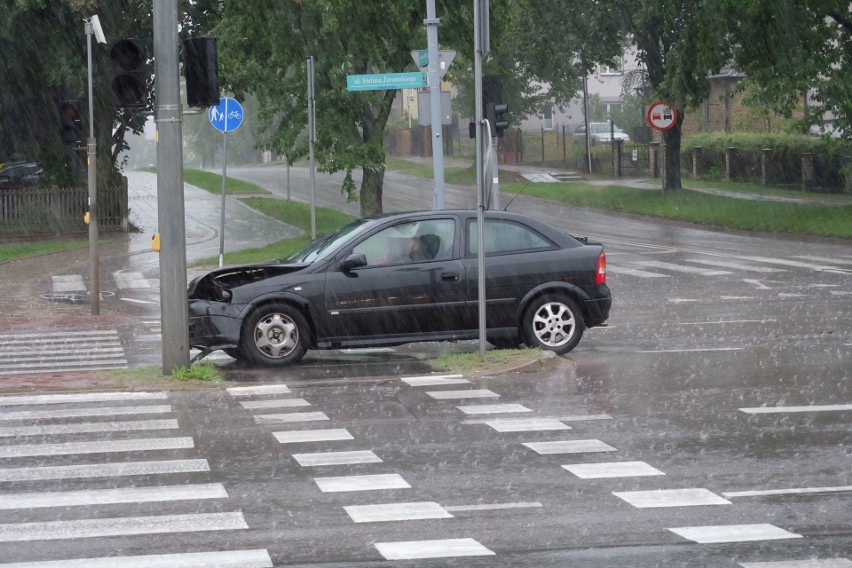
[
  {"x": 553, "y": 323},
  {"x": 275, "y": 335}
]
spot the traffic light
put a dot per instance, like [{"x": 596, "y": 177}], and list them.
[
  {"x": 71, "y": 125},
  {"x": 492, "y": 103},
  {"x": 201, "y": 67},
  {"x": 492, "y": 114},
  {"x": 130, "y": 73}
]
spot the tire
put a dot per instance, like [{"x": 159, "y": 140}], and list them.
[
  {"x": 275, "y": 335},
  {"x": 553, "y": 323}
]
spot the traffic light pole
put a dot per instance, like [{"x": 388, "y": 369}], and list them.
[
  {"x": 91, "y": 161},
  {"x": 170, "y": 201},
  {"x": 478, "y": 16},
  {"x": 432, "y": 22}
]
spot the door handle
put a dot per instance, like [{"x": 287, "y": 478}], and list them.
[{"x": 450, "y": 276}]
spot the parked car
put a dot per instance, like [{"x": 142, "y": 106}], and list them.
[
  {"x": 21, "y": 174},
  {"x": 402, "y": 278},
  {"x": 600, "y": 133}
]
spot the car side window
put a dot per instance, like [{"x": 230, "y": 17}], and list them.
[
  {"x": 502, "y": 237},
  {"x": 405, "y": 243}
]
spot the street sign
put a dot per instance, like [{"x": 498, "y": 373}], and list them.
[
  {"x": 661, "y": 116},
  {"x": 385, "y": 82},
  {"x": 445, "y": 59},
  {"x": 226, "y": 117}
]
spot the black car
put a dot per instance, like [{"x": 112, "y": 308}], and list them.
[{"x": 403, "y": 278}]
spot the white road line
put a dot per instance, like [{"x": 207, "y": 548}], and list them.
[
  {"x": 263, "y": 389},
  {"x": 794, "y": 491},
  {"x": 336, "y": 458},
  {"x": 696, "y": 350},
  {"x": 733, "y": 533},
  {"x": 57, "y": 365},
  {"x": 421, "y": 549},
  {"x": 135, "y": 301},
  {"x": 460, "y": 394},
  {"x": 634, "y": 272},
  {"x": 109, "y": 446},
  {"x": 130, "y": 280},
  {"x": 786, "y": 409},
  {"x": 793, "y": 263},
  {"x": 103, "y": 470},
  {"x": 49, "y": 337},
  {"x": 78, "y": 428},
  {"x": 724, "y": 322},
  {"x": 121, "y": 526},
  {"x": 493, "y": 408},
  {"x": 68, "y": 283},
  {"x": 258, "y": 558},
  {"x": 274, "y": 403},
  {"x": 361, "y": 483},
  {"x": 435, "y": 380},
  {"x": 526, "y": 424},
  {"x": 569, "y": 447},
  {"x": 808, "y": 563},
  {"x": 29, "y": 354},
  {"x": 757, "y": 283},
  {"x": 85, "y": 412},
  {"x": 824, "y": 259},
  {"x": 493, "y": 506},
  {"x": 80, "y": 397},
  {"x": 577, "y": 418},
  {"x": 291, "y": 417},
  {"x": 396, "y": 512},
  {"x": 299, "y": 436},
  {"x": 612, "y": 469},
  {"x": 735, "y": 265},
  {"x": 112, "y": 496},
  {"x": 841, "y": 292},
  {"x": 679, "y": 268},
  {"x": 660, "y": 498}
]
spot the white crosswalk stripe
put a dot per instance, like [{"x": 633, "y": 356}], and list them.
[
  {"x": 734, "y": 262},
  {"x": 679, "y": 268},
  {"x": 258, "y": 558},
  {"x": 58, "y": 351},
  {"x": 130, "y": 280}
]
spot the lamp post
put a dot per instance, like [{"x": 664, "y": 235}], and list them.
[{"x": 93, "y": 26}]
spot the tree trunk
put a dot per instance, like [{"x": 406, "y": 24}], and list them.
[
  {"x": 671, "y": 138},
  {"x": 371, "y": 192}
]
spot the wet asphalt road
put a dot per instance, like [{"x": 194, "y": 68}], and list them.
[{"x": 699, "y": 378}]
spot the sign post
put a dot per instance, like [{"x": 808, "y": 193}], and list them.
[{"x": 226, "y": 117}]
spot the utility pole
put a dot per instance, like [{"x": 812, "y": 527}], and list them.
[
  {"x": 432, "y": 23},
  {"x": 167, "y": 113},
  {"x": 92, "y": 164},
  {"x": 480, "y": 37}
]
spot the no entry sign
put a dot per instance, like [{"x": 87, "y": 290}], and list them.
[{"x": 661, "y": 116}]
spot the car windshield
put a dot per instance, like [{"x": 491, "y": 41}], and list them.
[{"x": 327, "y": 244}]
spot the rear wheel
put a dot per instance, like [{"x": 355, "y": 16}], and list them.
[
  {"x": 553, "y": 323},
  {"x": 275, "y": 335}
]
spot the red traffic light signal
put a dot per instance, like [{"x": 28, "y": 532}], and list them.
[
  {"x": 130, "y": 75},
  {"x": 71, "y": 123}
]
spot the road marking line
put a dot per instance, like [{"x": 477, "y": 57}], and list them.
[
  {"x": 841, "y": 292},
  {"x": 784, "y": 409},
  {"x": 258, "y": 558},
  {"x": 291, "y": 417},
  {"x": 671, "y": 498},
  {"x": 135, "y": 301},
  {"x": 795, "y": 491},
  {"x": 733, "y": 533},
  {"x": 612, "y": 469},
  {"x": 84, "y": 427},
  {"x": 125, "y": 280},
  {"x": 493, "y": 408},
  {"x": 634, "y": 272},
  {"x": 808, "y": 563},
  {"x": 421, "y": 549},
  {"x": 263, "y": 389},
  {"x": 757, "y": 283},
  {"x": 103, "y": 470},
  {"x": 569, "y": 447},
  {"x": 102, "y": 447},
  {"x": 459, "y": 394},
  {"x": 823, "y": 259},
  {"x": 336, "y": 458},
  {"x": 68, "y": 283},
  {"x": 578, "y": 418},
  {"x": 274, "y": 403},
  {"x": 85, "y": 412},
  {"x": 396, "y": 512},
  {"x": 52, "y": 336},
  {"x": 80, "y": 397},
  {"x": 725, "y": 321},
  {"x": 697, "y": 350},
  {"x": 735, "y": 265},
  {"x": 435, "y": 380},
  {"x": 361, "y": 483},
  {"x": 57, "y": 365},
  {"x": 679, "y": 268},
  {"x": 793, "y": 263},
  {"x": 493, "y": 506},
  {"x": 112, "y": 496},
  {"x": 526, "y": 424},
  {"x": 299, "y": 436},
  {"x": 121, "y": 526}
]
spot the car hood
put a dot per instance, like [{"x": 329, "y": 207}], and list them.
[{"x": 204, "y": 286}]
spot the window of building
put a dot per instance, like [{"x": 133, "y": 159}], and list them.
[{"x": 548, "y": 118}]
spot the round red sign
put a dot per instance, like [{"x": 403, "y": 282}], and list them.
[{"x": 661, "y": 116}]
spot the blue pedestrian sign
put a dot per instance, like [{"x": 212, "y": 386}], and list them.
[{"x": 226, "y": 117}]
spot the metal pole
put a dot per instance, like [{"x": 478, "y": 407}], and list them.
[
  {"x": 287, "y": 159},
  {"x": 480, "y": 187},
  {"x": 170, "y": 202},
  {"x": 586, "y": 120},
  {"x": 311, "y": 139},
  {"x": 224, "y": 179},
  {"x": 432, "y": 23},
  {"x": 92, "y": 179}
]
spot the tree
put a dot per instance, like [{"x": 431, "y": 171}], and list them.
[{"x": 265, "y": 51}]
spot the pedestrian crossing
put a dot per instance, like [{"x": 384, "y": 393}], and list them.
[
  {"x": 61, "y": 351},
  {"x": 84, "y": 495}
]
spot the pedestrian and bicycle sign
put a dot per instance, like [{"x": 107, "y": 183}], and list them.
[
  {"x": 385, "y": 82},
  {"x": 226, "y": 117},
  {"x": 662, "y": 116}
]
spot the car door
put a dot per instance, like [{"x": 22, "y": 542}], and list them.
[{"x": 403, "y": 290}]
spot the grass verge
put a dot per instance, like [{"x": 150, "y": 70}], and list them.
[
  {"x": 211, "y": 182},
  {"x": 472, "y": 363},
  {"x": 199, "y": 373},
  {"x": 22, "y": 250}
]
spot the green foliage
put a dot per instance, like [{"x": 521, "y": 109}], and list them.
[
  {"x": 755, "y": 141},
  {"x": 14, "y": 251},
  {"x": 471, "y": 363},
  {"x": 197, "y": 372}
]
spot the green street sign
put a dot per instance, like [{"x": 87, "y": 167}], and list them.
[{"x": 385, "y": 81}]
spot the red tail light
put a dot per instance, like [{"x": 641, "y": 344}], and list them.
[{"x": 600, "y": 275}]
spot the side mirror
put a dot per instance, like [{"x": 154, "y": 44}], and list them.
[{"x": 355, "y": 260}]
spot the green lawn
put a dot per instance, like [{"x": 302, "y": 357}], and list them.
[
  {"x": 22, "y": 250},
  {"x": 213, "y": 183}
]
